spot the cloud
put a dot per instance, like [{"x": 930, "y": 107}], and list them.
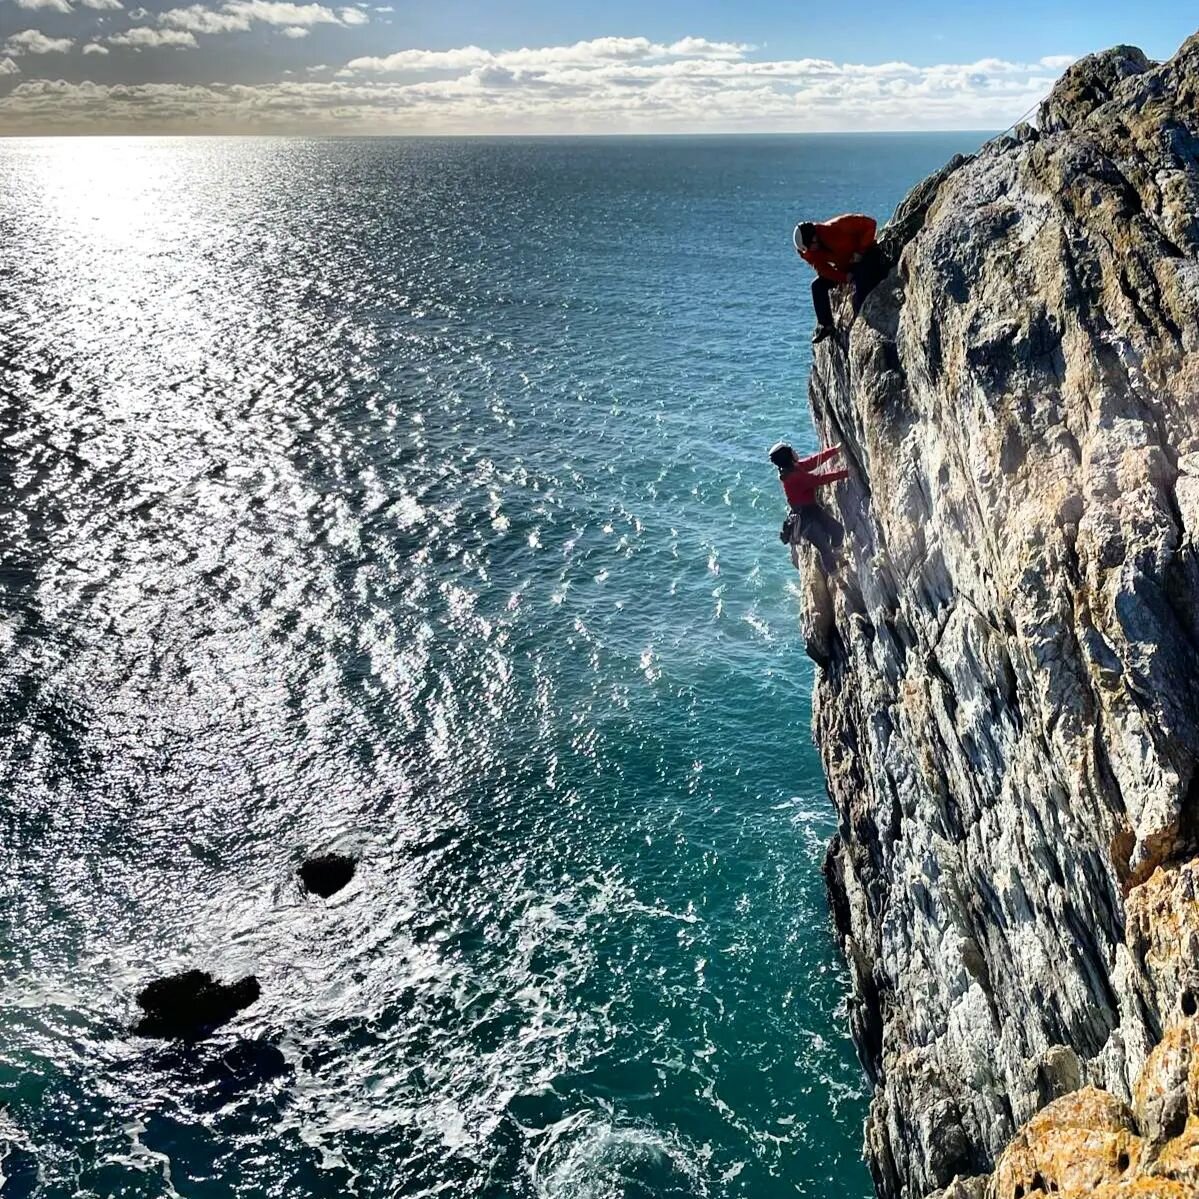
[
  {"x": 33, "y": 41},
  {"x": 465, "y": 58},
  {"x": 274, "y": 12},
  {"x": 601, "y": 85},
  {"x": 595, "y": 52},
  {"x": 141, "y": 37},
  {"x": 700, "y": 47},
  {"x": 198, "y": 19},
  {"x": 1058, "y": 62},
  {"x": 53, "y": 5},
  {"x": 8, "y": 67},
  {"x": 95, "y": 48},
  {"x": 237, "y": 16},
  {"x": 102, "y": 4}
]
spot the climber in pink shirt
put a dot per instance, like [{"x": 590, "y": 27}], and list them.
[{"x": 800, "y": 480}]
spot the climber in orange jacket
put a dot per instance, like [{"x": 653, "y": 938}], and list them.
[
  {"x": 842, "y": 250},
  {"x": 800, "y": 480}
]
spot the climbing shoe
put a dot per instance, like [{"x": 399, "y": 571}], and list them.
[{"x": 822, "y": 331}]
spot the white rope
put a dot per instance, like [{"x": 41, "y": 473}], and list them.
[{"x": 1036, "y": 104}]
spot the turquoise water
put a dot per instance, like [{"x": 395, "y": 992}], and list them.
[{"x": 409, "y": 498}]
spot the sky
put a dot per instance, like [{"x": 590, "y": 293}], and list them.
[{"x": 544, "y": 66}]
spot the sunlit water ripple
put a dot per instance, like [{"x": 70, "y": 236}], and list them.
[{"x": 409, "y": 498}]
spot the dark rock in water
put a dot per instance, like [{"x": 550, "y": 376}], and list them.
[
  {"x": 326, "y": 875},
  {"x": 190, "y": 1005}
]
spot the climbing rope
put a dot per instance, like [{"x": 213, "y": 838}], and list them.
[{"x": 1024, "y": 115}]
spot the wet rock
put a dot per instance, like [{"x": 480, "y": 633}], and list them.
[
  {"x": 327, "y": 874},
  {"x": 1007, "y": 705},
  {"x": 190, "y": 1005}
]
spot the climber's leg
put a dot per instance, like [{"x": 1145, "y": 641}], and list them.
[
  {"x": 822, "y": 305},
  {"x": 825, "y": 533},
  {"x": 867, "y": 275},
  {"x": 832, "y": 526}
]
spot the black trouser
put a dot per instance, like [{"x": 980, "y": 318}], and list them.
[
  {"x": 865, "y": 276},
  {"x": 822, "y": 530}
]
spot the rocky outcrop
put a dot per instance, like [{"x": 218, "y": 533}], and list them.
[
  {"x": 191, "y": 1005},
  {"x": 1008, "y": 701}
]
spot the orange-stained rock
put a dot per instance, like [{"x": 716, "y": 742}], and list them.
[
  {"x": 1160, "y": 1097},
  {"x": 1179, "y": 1158},
  {"x": 1162, "y": 933},
  {"x": 1077, "y": 1143},
  {"x": 1090, "y": 1145},
  {"x": 1139, "y": 1188}
]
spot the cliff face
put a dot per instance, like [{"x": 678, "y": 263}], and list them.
[{"x": 1008, "y": 705}]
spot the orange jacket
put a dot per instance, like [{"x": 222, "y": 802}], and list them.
[{"x": 837, "y": 241}]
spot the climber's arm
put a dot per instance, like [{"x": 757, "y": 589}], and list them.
[
  {"x": 830, "y": 476},
  {"x": 826, "y": 266},
  {"x": 818, "y": 459}
]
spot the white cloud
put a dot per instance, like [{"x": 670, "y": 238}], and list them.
[
  {"x": 700, "y": 47},
  {"x": 425, "y": 60},
  {"x": 583, "y": 54},
  {"x": 599, "y": 49},
  {"x": 295, "y": 31},
  {"x": 102, "y": 4},
  {"x": 1058, "y": 62},
  {"x": 8, "y": 67},
  {"x": 237, "y": 16},
  {"x": 95, "y": 48},
  {"x": 275, "y": 12},
  {"x": 198, "y": 19},
  {"x": 53, "y": 5},
  {"x": 602, "y": 85},
  {"x": 142, "y": 38},
  {"x": 33, "y": 41}
]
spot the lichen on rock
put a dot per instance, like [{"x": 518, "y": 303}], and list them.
[{"x": 1007, "y": 704}]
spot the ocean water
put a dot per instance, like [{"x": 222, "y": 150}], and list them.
[{"x": 409, "y": 498}]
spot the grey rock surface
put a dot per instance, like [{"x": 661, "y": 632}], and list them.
[{"x": 1007, "y": 705}]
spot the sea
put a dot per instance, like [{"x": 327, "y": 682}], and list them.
[{"x": 408, "y": 498}]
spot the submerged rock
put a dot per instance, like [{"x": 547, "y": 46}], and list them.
[
  {"x": 192, "y": 1004},
  {"x": 327, "y": 874},
  {"x": 1008, "y": 702}
]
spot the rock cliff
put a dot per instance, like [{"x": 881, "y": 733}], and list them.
[{"x": 1008, "y": 701}]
